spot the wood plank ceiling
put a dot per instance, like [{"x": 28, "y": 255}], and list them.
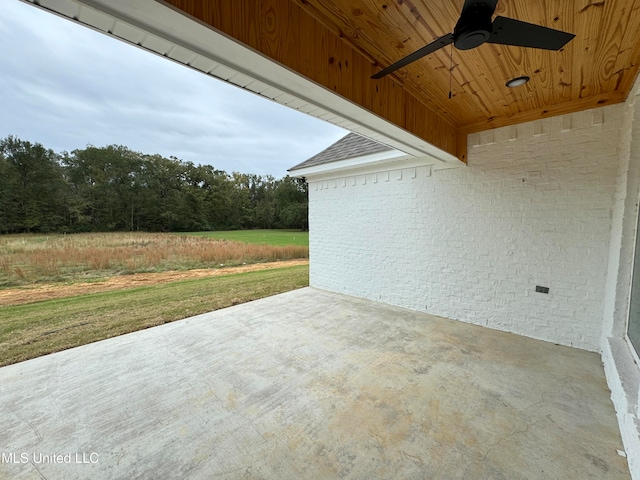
[{"x": 341, "y": 43}]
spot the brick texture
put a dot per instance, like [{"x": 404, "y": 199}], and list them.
[
  {"x": 623, "y": 374},
  {"x": 533, "y": 207}
]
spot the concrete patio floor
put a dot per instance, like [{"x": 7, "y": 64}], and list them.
[{"x": 310, "y": 385}]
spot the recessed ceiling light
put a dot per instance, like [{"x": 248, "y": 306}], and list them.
[{"x": 516, "y": 82}]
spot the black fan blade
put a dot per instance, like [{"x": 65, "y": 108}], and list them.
[
  {"x": 507, "y": 31},
  {"x": 426, "y": 50},
  {"x": 489, "y": 5}
]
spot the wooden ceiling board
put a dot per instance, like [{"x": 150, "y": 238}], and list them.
[
  {"x": 609, "y": 39},
  {"x": 341, "y": 43},
  {"x": 628, "y": 53},
  {"x": 367, "y": 25},
  {"x": 600, "y": 64}
]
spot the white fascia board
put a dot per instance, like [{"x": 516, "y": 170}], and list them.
[
  {"x": 162, "y": 20},
  {"x": 363, "y": 165}
]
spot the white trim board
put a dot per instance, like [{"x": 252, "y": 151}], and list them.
[{"x": 376, "y": 162}]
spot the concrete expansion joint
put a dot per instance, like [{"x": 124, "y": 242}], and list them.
[
  {"x": 509, "y": 435},
  {"x": 544, "y": 394},
  {"x": 24, "y": 420},
  {"x": 529, "y": 424},
  {"x": 452, "y": 447}
]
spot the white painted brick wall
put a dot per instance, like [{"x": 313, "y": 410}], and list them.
[
  {"x": 532, "y": 208},
  {"x": 623, "y": 373}
]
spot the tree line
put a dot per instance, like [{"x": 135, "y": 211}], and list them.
[{"x": 114, "y": 188}]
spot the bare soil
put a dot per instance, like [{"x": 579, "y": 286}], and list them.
[{"x": 37, "y": 293}]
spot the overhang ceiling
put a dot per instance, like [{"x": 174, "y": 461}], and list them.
[
  {"x": 341, "y": 43},
  {"x": 598, "y": 67},
  {"x": 299, "y": 51}
]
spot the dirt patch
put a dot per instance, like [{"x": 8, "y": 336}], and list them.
[{"x": 23, "y": 295}]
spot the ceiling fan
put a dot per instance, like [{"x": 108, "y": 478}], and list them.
[{"x": 475, "y": 27}]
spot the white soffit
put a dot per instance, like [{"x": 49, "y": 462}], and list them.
[{"x": 154, "y": 26}]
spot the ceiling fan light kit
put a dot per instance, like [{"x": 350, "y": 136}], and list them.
[
  {"x": 475, "y": 27},
  {"x": 518, "y": 81}
]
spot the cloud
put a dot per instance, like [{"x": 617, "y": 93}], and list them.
[{"x": 66, "y": 86}]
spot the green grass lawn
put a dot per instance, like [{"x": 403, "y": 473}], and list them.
[
  {"x": 268, "y": 237},
  {"x": 36, "y": 329}
]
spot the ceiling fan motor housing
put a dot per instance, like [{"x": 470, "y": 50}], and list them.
[
  {"x": 476, "y": 27},
  {"x": 473, "y": 28}
]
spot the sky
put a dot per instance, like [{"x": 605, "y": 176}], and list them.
[{"x": 66, "y": 86}]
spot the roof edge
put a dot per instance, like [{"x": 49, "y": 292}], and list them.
[{"x": 391, "y": 160}]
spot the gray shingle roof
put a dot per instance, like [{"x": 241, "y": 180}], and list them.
[{"x": 350, "y": 146}]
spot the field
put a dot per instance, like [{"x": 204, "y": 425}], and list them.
[
  {"x": 61, "y": 291},
  {"x": 268, "y": 237},
  {"x": 28, "y": 259}
]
